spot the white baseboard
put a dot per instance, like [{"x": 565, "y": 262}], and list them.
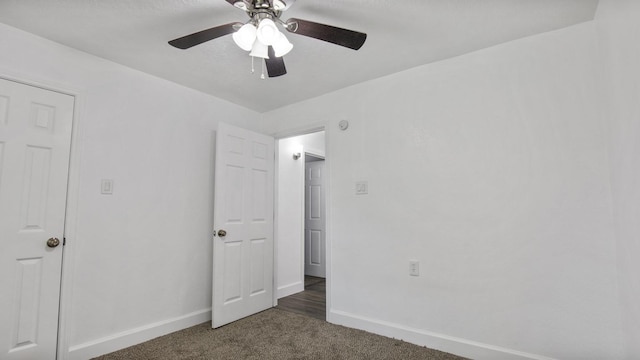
[
  {"x": 135, "y": 336},
  {"x": 461, "y": 347},
  {"x": 290, "y": 289}
]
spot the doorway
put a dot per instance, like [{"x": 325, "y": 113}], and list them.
[{"x": 301, "y": 244}]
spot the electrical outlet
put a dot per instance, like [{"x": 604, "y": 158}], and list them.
[
  {"x": 362, "y": 188},
  {"x": 106, "y": 187},
  {"x": 414, "y": 267}
]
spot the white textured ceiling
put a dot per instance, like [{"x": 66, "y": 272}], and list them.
[{"x": 401, "y": 35}]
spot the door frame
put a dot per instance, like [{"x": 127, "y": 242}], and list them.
[
  {"x": 305, "y": 130},
  {"x": 73, "y": 194}
]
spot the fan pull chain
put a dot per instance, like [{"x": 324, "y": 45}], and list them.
[
  {"x": 253, "y": 70},
  {"x": 262, "y": 76}
]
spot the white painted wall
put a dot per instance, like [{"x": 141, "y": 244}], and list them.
[
  {"x": 313, "y": 143},
  {"x": 619, "y": 32},
  {"x": 140, "y": 259},
  {"x": 290, "y": 210},
  {"x": 491, "y": 169}
]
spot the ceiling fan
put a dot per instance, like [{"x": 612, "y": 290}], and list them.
[{"x": 261, "y": 37}]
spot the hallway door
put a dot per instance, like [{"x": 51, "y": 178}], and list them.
[
  {"x": 314, "y": 223},
  {"x": 35, "y": 139}
]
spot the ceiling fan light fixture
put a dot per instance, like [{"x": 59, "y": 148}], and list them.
[
  {"x": 245, "y": 37},
  {"x": 282, "y": 46},
  {"x": 279, "y": 5},
  {"x": 240, "y": 5},
  {"x": 260, "y": 50},
  {"x": 267, "y": 32},
  {"x": 262, "y": 38}
]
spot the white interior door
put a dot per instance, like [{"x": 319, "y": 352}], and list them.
[
  {"x": 314, "y": 223},
  {"x": 35, "y": 138},
  {"x": 243, "y": 208}
]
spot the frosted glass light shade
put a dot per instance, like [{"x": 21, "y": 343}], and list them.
[
  {"x": 240, "y": 5},
  {"x": 282, "y": 46},
  {"x": 245, "y": 37},
  {"x": 267, "y": 32},
  {"x": 279, "y": 5},
  {"x": 260, "y": 50}
]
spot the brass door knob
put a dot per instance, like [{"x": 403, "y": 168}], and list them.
[
  {"x": 222, "y": 233},
  {"x": 53, "y": 242}
]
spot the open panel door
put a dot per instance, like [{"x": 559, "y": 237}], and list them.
[{"x": 243, "y": 220}]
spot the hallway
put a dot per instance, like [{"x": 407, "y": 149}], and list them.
[{"x": 310, "y": 302}]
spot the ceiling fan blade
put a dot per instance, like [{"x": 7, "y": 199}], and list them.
[
  {"x": 275, "y": 65},
  {"x": 200, "y": 37},
  {"x": 339, "y": 36}
]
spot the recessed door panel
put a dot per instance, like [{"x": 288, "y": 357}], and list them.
[
  {"x": 315, "y": 173},
  {"x": 260, "y": 150},
  {"x": 35, "y": 187},
  {"x": 257, "y": 266},
  {"x": 314, "y": 205},
  {"x": 43, "y": 117},
  {"x": 315, "y": 247},
  {"x": 1, "y": 162},
  {"x": 232, "y": 265},
  {"x": 4, "y": 110},
  {"x": 235, "y": 145},
  {"x": 235, "y": 191},
  {"x": 27, "y": 303},
  {"x": 259, "y": 201}
]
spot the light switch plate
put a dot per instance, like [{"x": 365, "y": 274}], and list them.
[
  {"x": 106, "y": 187},
  {"x": 362, "y": 188},
  {"x": 414, "y": 267}
]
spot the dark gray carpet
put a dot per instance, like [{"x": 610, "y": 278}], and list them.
[{"x": 276, "y": 334}]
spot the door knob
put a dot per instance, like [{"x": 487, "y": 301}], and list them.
[
  {"x": 53, "y": 242},
  {"x": 222, "y": 233}
]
